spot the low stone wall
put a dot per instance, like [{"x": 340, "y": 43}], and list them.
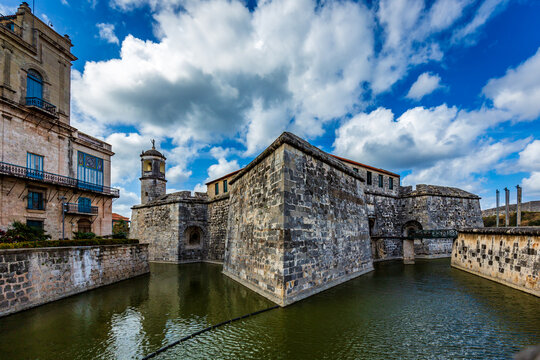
[
  {"x": 432, "y": 248},
  {"x": 510, "y": 256},
  {"x": 32, "y": 277}
]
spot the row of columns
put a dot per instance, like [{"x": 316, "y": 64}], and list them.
[{"x": 507, "y": 207}]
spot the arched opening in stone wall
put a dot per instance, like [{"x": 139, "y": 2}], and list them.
[
  {"x": 193, "y": 237},
  {"x": 411, "y": 226}
]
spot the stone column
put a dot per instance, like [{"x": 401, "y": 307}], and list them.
[
  {"x": 518, "y": 206},
  {"x": 507, "y": 210},
  {"x": 497, "y": 199},
  {"x": 408, "y": 251}
]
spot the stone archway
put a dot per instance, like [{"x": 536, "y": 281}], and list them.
[
  {"x": 193, "y": 238},
  {"x": 408, "y": 244}
]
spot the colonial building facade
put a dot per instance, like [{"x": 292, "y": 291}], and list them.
[{"x": 52, "y": 176}]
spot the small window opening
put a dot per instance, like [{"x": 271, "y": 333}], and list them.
[
  {"x": 225, "y": 189},
  {"x": 381, "y": 181},
  {"x": 217, "y": 188},
  {"x": 390, "y": 183},
  {"x": 369, "y": 178}
]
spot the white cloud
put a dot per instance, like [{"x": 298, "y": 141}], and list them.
[
  {"x": 445, "y": 12},
  {"x": 223, "y": 167},
  {"x": 485, "y": 11},
  {"x": 106, "y": 32},
  {"x": 418, "y": 138},
  {"x": 529, "y": 158},
  {"x": 425, "y": 84},
  {"x": 287, "y": 65},
  {"x": 465, "y": 171},
  {"x": 126, "y": 163},
  {"x": 529, "y": 161},
  {"x": 127, "y": 199},
  {"x": 200, "y": 188},
  {"x": 518, "y": 91},
  {"x": 531, "y": 184}
]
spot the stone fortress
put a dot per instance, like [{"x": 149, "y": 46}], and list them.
[{"x": 296, "y": 220}]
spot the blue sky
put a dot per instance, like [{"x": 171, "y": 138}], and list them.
[{"x": 443, "y": 92}]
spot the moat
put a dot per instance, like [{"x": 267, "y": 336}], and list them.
[{"x": 426, "y": 310}]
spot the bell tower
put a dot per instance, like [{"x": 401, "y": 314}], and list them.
[{"x": 153, "y": 183}]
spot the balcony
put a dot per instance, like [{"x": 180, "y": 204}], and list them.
[
  {"x": 55, "y": 179},
  {"x": 80, "y": 209},
  {"x": 41, "y": 105}
]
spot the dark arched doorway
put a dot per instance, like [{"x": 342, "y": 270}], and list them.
[
  {"x": 408, "y": 244},
  {"x": 84, "y": 225},
  {"x": 193, "y": 237}
]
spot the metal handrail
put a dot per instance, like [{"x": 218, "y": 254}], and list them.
[
  {"x": 40, "y": 103},
  {"x": 47, "y": 177},
  {"x": 79, "y": 208}
]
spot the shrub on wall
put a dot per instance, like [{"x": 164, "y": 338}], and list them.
[
  {"x": 58, "y": 243},
  {"x": 83, "y": 235},
  {"x": 19, "y": 232}
]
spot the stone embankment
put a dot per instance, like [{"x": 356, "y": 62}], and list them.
[
  {"x": 510, "y": 256},
  {"x": 32, "y": 277}
]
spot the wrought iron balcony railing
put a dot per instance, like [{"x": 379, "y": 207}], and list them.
[
  {"x": 42, "y": 104},
  {"x": 72, "y": 208},
  {"x": 50, "y": 178}
]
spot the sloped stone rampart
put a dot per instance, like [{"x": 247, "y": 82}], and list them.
[
  {"x": 32, "y": 277},
  {"x": 510, "y": 256}
]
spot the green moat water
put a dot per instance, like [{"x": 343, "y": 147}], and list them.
[{"x": 426, "y": 310}]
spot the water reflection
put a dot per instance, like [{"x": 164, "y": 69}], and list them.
[{"x": 423, "y": 311}]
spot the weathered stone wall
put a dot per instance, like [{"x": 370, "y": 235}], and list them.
[
  {"x": 193, "y": 214},
  {"x": 297, "y": 223},
  {"x": 218, "y": 216},
  {"x": 255, "y": 237},
  {"x": 510, "y": 256},
  {"x": 438, "y": 207},
  {"x": 165, "y": 224},
  {"x": 157, "y": 226},
  {"x": 31, "y": 277},
  {"x": 326, "y": 239}
]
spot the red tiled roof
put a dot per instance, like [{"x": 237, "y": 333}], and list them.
[
  {"x": 223, "y": 177},
  {"x": 365, "y": 166},
  {"x": 118, "y": 217}
]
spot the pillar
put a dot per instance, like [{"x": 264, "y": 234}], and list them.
[
  {"x": 507, "y": 211},
  {"x": 518, "y": 206},
  {"x": 408, "y": 251},
  {"x": 497, "y": 199}
]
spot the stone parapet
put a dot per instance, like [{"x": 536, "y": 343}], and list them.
[
  {"x": 435, "y": 190},
  {"x": 32, "y": 277}
]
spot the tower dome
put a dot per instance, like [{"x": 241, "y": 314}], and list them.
[{"x": 153, "y": 182}]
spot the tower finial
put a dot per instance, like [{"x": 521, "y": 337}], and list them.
[{"x": 153, "y": 144}]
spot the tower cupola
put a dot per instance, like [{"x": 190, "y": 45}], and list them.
[{"x": 153, "y": 183}]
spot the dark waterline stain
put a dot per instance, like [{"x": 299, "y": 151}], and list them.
[{"x": 426, "y": 310}]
